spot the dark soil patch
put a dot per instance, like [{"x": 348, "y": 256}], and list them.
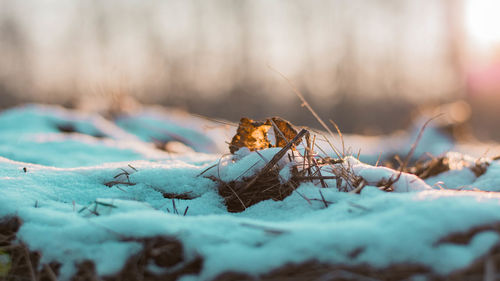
[
  {"x": 163, "y": 252},
  {"x": 466, "y": 236},
  {"x": 314, "y": 270},
  {"x": 437, "y": 165},
  {"x": 238, "y": 195},
  {"x": 24, "y": 263},
  {"x": 166, "y": 253},
  {"x": 431, "y": 167}
]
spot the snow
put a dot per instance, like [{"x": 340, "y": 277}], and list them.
[
  {"x": 373, "y": 175},
  {"x": 56, "y": 183},
  {"x": 228, "y": 169}
]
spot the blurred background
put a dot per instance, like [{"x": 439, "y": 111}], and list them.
[{"x": 367, "y": 64}]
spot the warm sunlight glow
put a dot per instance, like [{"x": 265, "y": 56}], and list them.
[{"x": 482, "y": 22}]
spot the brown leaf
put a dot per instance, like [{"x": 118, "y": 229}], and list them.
[
  {"x": 251, "y": 134},
  {"x": 285, "y": 129},
  {"x": 254, "y": 134}
]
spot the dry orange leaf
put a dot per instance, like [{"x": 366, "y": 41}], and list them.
[
  {"x": 284, "y": 131},
  {"x": 254, "y": 134}
]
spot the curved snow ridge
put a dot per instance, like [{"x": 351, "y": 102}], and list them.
[
  {"x": 74, "y": 150},
  {"x": 74, "y": 188},
  {"x": 36, "y": 118},
  {"x": 157, "y": 123},
  {"x": 374, "y": 176}
]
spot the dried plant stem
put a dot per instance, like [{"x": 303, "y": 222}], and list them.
[
  {"x": 50, "y": 272},
  {"x": 341, "y": 136},
  {"x": 277, "y": 157},
  {"x": 30, "y": 265},
  {"x": 306, "y": 105}
]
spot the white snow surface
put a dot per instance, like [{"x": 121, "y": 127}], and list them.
[{"x": 55, "y": 183}]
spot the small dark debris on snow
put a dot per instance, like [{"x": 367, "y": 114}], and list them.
[
  {"x": 356, "y": 252},
  {"x": 441, "y": 164},
  {"x": 165, "y": 143},
  {"x": 430, "y": 168},
  {"x": 176, "y": 211},
  {"x": 181, "y": 196},
  {"x": 68, "y": 128},
  {"x": 113, "y": 183}
]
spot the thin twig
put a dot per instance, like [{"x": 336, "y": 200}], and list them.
[
  {"x": 323, "y": 198},
  {"x": 216, "y": 120},
  {"x": 50, "y": 272},
  {"x": 277, "y": 157},
  {"x": 30, "y": 265},
  {"x": 359, "y": 187},
  {"x": 113, "y": 183},
  {"x": 411, "y": 152},
  {"x": 132, "y": 167},
  {"x": 316, "y": 177},
  {"x": 378, "y": 159},
  {"x": 206, "y": 170},
  {"x": 341, "y": 136}
]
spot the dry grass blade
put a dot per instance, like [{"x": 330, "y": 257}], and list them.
[
  {"x": 277, "y": 157},
  {"x": 340, "y": 135},
  {"x": 359, "y": 187},
  {"x": 323, "y": 199},
  {"x": 224, "y": 122},
  {"x": 316, "y": 178},
  {"x": 306, "y": 104},
  {"x": 51, "y": 275},
  {"x": 237, "y": 196},
  {"x": 410, "y": 153},
  {"x": 277, "y": 129},
  {"x": 30, "y": 265},
  {"x": 378, "y": 159},
  {"x": 415, "y": 144},
  {"x": 300, "y": 194},
  {"x": 206, "y": 170},
  {"x": 113, "y": 183}
]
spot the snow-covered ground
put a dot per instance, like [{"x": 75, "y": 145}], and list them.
[{"x": 87, "y": 188}]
